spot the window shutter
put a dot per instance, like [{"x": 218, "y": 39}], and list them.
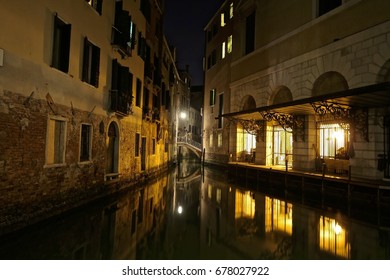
[
  {"x": 124, "y": 80},
  {"x": 124, "y": 27},
  {"x": 115, "y": 75},
  {"x": 95, "y": 66},
  {"x": 85, "y": 60}
]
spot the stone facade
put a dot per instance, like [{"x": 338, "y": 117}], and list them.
[
  {"x": 97, "y": 121},
  {"x": 297, "y": 57}
]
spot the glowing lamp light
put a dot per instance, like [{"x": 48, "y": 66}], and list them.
[
  {"x": 183, "y": 115},
  {"x": 179, "y": 209}
]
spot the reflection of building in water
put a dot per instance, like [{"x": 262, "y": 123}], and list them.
[
  {"x": 245, "y": 204},
  {"x": 333, "y": 238},
  {"x": 241, "y": 223},
  {"x": 278, "y": 216},
  {"x": 139, "y": 220}
]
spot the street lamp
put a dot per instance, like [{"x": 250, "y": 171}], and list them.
[{"x": 183, "y": 115}]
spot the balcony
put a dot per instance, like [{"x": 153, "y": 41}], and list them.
[
  {"x": 121, "y": 103},
  {"x": 152, "y": 115},
  {"x": 119, "y": 42}
]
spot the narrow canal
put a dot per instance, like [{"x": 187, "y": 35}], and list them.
[{"x": 195, "y": 213}]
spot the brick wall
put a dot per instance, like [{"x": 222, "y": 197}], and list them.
[{"x": 25, "y": 179}]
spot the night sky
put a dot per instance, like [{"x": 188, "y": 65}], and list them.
[{"x": 183, "y": 27}]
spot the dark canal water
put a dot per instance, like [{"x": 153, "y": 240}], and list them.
[{"x": 194, "y": 213}]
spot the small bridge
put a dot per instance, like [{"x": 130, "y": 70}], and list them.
[{"x": 191, "y": 144}]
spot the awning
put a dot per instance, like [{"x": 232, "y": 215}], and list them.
[
  {"x": 372, "y": 96},
  {"x": 348, "y": 106}
]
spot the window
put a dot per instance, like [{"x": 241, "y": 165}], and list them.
[
  {"x": 123, "y": 31},
  {"x": 220, "y": 139},
  {"x": 121, "y": 89},
  {"x": 212, "y": 97},
  {"x": 131, "y": 42},
  {"x": 139, "y": 92},
  {"x": 334, "y": 141},
  {"x": 96, "y": 4},
  {"x": 137, "y": 138},
  {"x": 325, "y": 6},
  {"x": 218, "y": 198},
  {"x": 61, "y": 45},
  {"x": 223, "y": 22},
  {"x": 282, "y": 147},
  {"x": 230, "y": 44},
  {"x": 91, "y": 63},
  {"x": 211, "y": 140},
  {"x": 86, "y": 142},
  {"x": 212, "y": 59},
  {"x": 250, "y": 33},
  {"x": 141, "y": 46},
  {"x": 231, "y": 11},
  {"x": 223, "y": 50},
  {"x": 153, "y": 146},
  {"x": 55, "y": 141}
]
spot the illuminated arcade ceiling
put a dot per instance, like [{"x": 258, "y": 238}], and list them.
[
  {"x": 349, "y": 106},
  {"x": 377, "y": 95}
]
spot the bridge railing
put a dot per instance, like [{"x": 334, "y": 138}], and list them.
[{"x": 190, "y": 142}]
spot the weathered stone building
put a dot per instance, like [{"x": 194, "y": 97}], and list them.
[
  {"x": 299, "y": 84},
  {"x": 85, "y": 100}
]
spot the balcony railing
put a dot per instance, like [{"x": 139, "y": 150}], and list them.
[
  {"x": 151, "y": 114},
  {"x": 121, "y": 103},
  {"x": 118, "y": 40}
]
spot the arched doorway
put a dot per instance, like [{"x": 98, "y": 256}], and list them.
[
  {"x": 112, "y": 149},
  {"x": 246, "y": 142},
  {"x": 333, "y": 136},
  {"x": 281, "y": 144}
]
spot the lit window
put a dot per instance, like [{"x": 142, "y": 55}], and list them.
[
  {"x": 211, "y": 140},
  {"x": 223, "y": 50},
  {"x": 55, "y": 141},
  {"x": 219, "y": 196},
  {"x": 334, "y": 141},
  {"x": 223, "y": 23},
  {"x": 219, "y": 139},
  {"x": 231, "y": 10},
  {"x": 212, "y": 97},
  {"x": 86, "y": 142},
  {"x": 230, "y": 44},
  {"x": 210, "y": 191}
]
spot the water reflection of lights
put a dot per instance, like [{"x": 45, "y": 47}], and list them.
[
  {"x": 337, "y": 229},
  {"x": 334, "y": 238},
  {"x": 180, "y": 210}
]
